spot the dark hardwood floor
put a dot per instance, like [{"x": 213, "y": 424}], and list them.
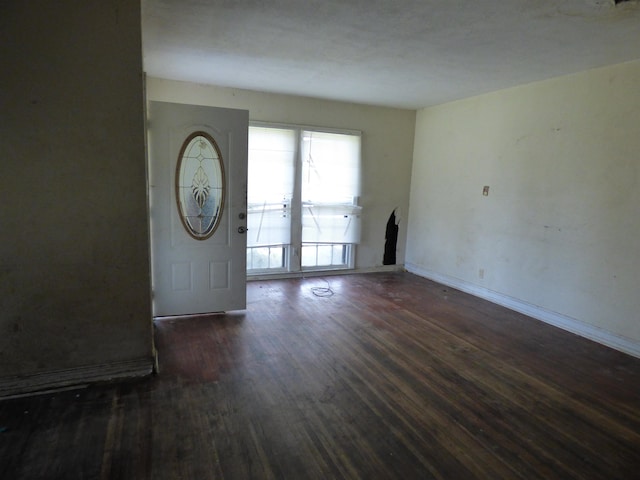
[{"x": 391, "y": 377}]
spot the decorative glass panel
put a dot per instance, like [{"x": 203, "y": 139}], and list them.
[{"x": 200, "y": 188}]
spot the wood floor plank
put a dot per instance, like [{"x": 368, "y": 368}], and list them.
[{"x": 390, "y": 376}]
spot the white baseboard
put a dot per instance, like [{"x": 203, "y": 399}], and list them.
[
  {"x": 553, "y": 318},
  {"x": 79, "y": 377}
]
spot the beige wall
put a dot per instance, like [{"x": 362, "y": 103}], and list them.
[
  {"x": 74, "y": 268},
  {"x": 387, "y": 146},
  {"x": 560, "y": 228}
]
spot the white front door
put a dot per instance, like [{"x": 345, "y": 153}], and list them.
[{"x": 197, "y": 271}]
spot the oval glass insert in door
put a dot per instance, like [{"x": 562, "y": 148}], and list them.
[{"x": 200, "y": 186}]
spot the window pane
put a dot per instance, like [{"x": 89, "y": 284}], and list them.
[
  {"x": 260, "y": 258},
  {"x": 271, "y": 172},
  {"x": 271, "y": 164},
  {"x": 330, "y": 167},
  {"x": 323, "y": 168},
  {"x": 308, "y": 257},
  {"x": 318, "y": 255},
  {"x": 266, "y": 258},
  {"x": 330, "y": 223},
  {"x": 324, "y": 255},
  {"x": 339, "y": 254},
  {"x": 276, "y": 257},
  {"x": 330, "y": 187},
  {"x": 269, "y": 224}
]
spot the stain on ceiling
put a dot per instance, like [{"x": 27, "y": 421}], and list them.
[{"x": 400, "y": 53}]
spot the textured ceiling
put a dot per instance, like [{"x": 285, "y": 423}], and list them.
[{"x": 400, "y": 53}]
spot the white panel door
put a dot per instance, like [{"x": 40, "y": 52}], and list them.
[{"x": 192, "y": 275}]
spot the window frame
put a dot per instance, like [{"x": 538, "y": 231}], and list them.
[{"x": 293, "y": 251}]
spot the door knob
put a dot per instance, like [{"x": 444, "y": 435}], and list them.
[{"x": 241, "y": 229}]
